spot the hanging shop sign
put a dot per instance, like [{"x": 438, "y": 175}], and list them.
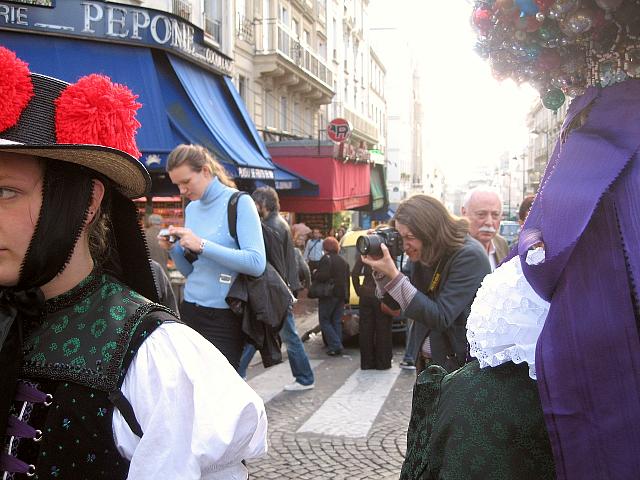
[
  {"x": 101, "y": 20},
  {"x": 339, "y": 130}
]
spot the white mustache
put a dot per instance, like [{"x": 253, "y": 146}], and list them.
[{"x": 487, "y": 229}]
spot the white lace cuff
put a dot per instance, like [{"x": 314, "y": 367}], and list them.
[{"x": 506, "y": 317}]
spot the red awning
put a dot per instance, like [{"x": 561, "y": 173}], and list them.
[{"x": 342, "y": 186}]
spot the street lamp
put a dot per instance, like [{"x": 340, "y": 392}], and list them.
[{"x": 509, "y": 204}]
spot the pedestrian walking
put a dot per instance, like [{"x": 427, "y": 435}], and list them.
[
  {"x": 313, "y": 250},
  {"x": 332, "y": 269},
  {"x": 96, "y": 380},
  {"x": 204, "y": 251},
  {"x": 268, "y": 205}
]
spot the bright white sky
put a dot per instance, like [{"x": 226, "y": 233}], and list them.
[{"x": 470, "y": 118}]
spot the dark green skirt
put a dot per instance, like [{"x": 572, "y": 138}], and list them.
[{"x": 477, "y": 424}]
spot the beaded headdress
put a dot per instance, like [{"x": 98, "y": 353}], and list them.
[{"x": 561, "y": 47}]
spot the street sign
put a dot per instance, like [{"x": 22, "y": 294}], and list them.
[{"x": 339, "y": 130}]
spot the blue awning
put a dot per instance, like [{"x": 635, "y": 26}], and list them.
[
  {"x": 181, "y": 103},
  {"x": 218, "y": 108},
  {"x": 71, "y": 59}
]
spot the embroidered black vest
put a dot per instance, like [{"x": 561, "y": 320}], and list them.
[{"x": 79, "y": 356}]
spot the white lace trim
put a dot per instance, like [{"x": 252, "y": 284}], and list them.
[{"x": 507, "y": 316}]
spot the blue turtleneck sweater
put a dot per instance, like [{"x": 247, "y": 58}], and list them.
[{"x": 210, "y": 277}]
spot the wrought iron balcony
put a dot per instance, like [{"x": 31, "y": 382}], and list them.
[
  {"x": 361, "y": 126},
  {"x": 244, "y": 29},
  {"x": 182, "y": 8},
  {"x": 274, "y": 38}
]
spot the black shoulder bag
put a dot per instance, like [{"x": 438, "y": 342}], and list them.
[{"x": 320, "y": 289}]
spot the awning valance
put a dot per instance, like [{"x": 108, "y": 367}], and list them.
[{"x": 341, "y": 186}]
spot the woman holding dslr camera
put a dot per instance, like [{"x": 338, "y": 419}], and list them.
[
  {"x": 447, "y": 268},
  {"x": 204, "y": 251}
]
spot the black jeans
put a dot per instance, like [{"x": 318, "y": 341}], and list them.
[
  {"x": 218, "y": 325},
  {"x": 375, "y": 336}
]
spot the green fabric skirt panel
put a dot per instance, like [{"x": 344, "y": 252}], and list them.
[{"x": 477, "y": 424}]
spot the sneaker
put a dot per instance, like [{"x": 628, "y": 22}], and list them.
[
  {"x": 334, "y": 353},
  {"x": 298, "y": 387},
  {"x": 407, "y": 365}
]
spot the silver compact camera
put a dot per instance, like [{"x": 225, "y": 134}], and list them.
[{"x": 167, "y": 236}]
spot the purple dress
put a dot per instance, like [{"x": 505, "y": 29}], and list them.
[{"x": 587, "y": 213}]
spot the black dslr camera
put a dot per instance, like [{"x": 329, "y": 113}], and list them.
[{"x": 370, "y": 244}]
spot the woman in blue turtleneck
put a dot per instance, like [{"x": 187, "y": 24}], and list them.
[{"x": 204, "y": 181}]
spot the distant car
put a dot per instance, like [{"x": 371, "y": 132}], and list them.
[
  {"x": 509, "y": 230},
  {"x": 349, "y": 252}
]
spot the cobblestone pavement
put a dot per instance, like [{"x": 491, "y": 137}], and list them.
[{"x": 297, "y": 455}]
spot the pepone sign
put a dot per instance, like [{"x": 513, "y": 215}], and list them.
[{"x": 339, "y": 130}]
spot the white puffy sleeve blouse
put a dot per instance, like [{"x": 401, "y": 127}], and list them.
[{"x": 199, "y": 418}]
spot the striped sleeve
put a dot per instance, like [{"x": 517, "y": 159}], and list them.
[{"x": 401, "y": 290}]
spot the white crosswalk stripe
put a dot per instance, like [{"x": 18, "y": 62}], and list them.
[
  {"x": 271, "y": 382},
  {"x": 352, "y": 409}
]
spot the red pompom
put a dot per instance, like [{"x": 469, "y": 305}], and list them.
[
  {"x": 96, "y": 111},
  {"x": 16, "y": 89}
]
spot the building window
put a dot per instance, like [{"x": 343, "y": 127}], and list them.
[
  {"x": 306, "y": 37},
  {"x": 213, "y": 19},
  {"x": 297, "y": 124},
  {"x": 242, "y": 87},
  {"x": 322, "y": 48},
  {"x": 270, "y": 110},
  {"x": 308, "y": 119},
  {"x": 283, "y": 114},
  {"x": 295, "y": 27},
  {"x": 284, "y": 16}
]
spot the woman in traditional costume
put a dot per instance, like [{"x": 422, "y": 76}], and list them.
[
  {"x": 97, "y": 380},
  {"x": 578, "y": 252}
]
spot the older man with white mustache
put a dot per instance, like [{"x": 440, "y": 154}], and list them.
[{"x": 483, "y": 208}]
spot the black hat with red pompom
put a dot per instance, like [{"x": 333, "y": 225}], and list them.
[{"x": 90, "y": 123}]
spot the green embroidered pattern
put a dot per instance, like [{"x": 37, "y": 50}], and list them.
[{"x": 88, "y": 356}]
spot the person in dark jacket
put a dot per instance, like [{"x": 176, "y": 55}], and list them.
[
  {"x": 448, "y": 266},
  {"x": 268, "y": 206},
  {"x": 332, "y": 267},
  {"x": 375, "y": 325},
  {"x": 166, "y": 296},
  {"x": 304, "y": 274}
]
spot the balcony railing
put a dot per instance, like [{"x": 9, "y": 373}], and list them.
[
  {"x": 182, "y": 8},
  {"x": 244, "y": 28},
  {"x": 213, "y": 27},
  {"x": 361, "y": 124},
  {"x": 272, "y": 37}
]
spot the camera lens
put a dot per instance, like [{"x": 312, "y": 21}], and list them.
[
  {"x": 362, "y": 245},
  {"x": 370, "y": 245}
]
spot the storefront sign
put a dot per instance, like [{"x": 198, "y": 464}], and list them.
[
  {"x": 339, "y": 130},
  {"x": 255, "y": 173},
  {"x": 105, "y": 21}
]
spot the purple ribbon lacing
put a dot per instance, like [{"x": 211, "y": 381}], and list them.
[{"x": 17, "y": 428}]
